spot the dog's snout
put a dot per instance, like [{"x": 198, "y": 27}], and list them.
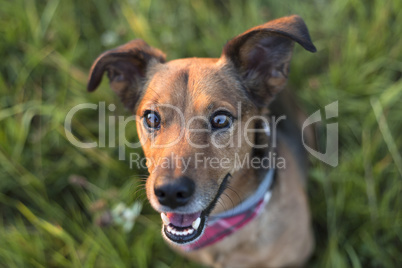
[{"x": 174, "y": 193}]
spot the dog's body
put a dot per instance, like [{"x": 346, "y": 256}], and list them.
[
  {"x": 220, "y": 100},
  {"x": 281, "y": 237}
]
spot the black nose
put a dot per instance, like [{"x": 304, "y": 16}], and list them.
[{"x": 174, "y": 193}]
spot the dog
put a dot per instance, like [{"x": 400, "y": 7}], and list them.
[{"x": 193, "y": 111}]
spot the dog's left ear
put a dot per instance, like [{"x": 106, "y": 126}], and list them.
[{"x": 262, "y": 55}]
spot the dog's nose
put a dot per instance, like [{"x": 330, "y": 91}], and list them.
[{"x": 174, "y": 193}]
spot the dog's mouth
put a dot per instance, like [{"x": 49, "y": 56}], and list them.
[{"x": 183, "y": 228}]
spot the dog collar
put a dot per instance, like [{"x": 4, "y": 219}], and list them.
[{"x": 224, "y": 224}]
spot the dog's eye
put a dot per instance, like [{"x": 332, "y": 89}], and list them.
[
  {"x": 152, "y": 119},
  {"x": 221, "y": 120}
]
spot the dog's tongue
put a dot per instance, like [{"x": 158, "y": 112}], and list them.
[{"x": 182, "y": 220}]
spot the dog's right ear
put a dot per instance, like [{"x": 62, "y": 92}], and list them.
[{"x": 126, "y": 67}]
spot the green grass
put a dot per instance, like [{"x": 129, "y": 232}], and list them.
[{"x": 53, "y": 194}]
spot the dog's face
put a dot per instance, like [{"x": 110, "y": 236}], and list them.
[
  {"x": 192, "y": 109},
  {"x": 194, "y": 115}
]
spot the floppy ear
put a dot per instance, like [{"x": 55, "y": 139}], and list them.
[
  {"x": 262, "y": 55},
  {"x": 126, "y": 67}
]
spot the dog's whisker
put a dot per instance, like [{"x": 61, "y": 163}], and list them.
[
  {"x": 141, "y": 197},
  {"x": 139, "y": 177},
  {"x": 228, "y": 197},
  {"x": 221, "y": 203},
  {"x": 139, "y": 190},
  {"x": 154, "y": 95},
  {"x": 235, "y": 192}
]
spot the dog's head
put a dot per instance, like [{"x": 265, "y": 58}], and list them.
[{"x": 194, "y": 115}]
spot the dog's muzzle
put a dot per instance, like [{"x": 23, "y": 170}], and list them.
[{"x": 182, "y": 228}]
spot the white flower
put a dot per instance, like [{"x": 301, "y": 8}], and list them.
[{"x": 126, "y": 216}]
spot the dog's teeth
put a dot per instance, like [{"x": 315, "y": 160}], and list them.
[
  {"x": 188, "y": 231},
  {"x": 196, "y": 223},
  {"x": 165, "y": 219}
]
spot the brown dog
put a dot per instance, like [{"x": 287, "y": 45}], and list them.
[{"x": 204, "y": 126}]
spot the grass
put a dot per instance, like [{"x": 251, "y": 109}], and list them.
[{"x": 53, "y": 194}]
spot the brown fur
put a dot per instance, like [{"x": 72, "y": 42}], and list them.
[{"x": 252, "y": 70}]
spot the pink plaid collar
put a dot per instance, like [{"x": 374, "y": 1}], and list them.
[{"x": 224, "y": 224}]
